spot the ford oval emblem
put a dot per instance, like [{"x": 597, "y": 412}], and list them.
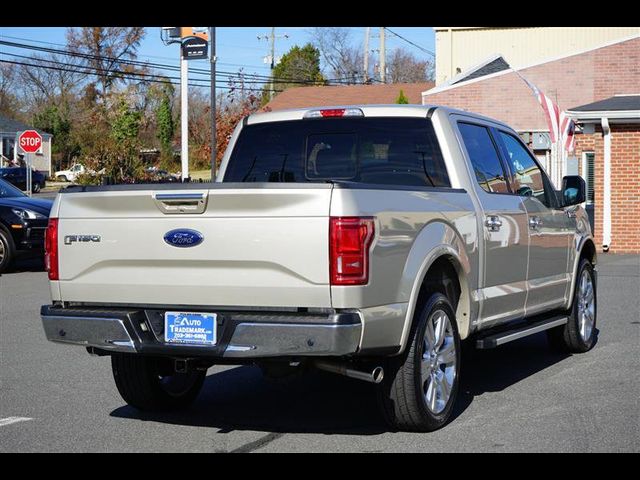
[{"x": 183, "y": 238}]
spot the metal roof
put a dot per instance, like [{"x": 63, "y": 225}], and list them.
[
  {"x": 617, "y": 103},
  {"x": 492, "y": 65}
]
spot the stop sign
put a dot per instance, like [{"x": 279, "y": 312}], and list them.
[{"x": 30, "y": 141}]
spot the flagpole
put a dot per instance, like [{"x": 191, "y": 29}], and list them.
[
  {"x": 559, "y": 146},
  {"x": 555, "y": 161}
]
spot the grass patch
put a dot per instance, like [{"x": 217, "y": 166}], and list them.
[{"x": 200, "y": 174}]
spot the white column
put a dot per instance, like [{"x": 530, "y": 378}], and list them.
[
  {"x": 184, "y": 116},
  {"x": 606, "y": 207}
]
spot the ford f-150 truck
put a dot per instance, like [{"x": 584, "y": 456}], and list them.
[{"x": 369, "y": 241}]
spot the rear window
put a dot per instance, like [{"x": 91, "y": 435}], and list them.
[{"x": 388, "y": 151}]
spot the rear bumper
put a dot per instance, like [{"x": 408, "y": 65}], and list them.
[{"x": 241, "y": 334}]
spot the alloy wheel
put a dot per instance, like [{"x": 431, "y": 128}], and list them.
[
  {"x": 438, "y": 365},
  {"x": 586, "y": 306}
]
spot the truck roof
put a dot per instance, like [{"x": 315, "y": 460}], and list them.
[{"x": 390, "y": 110}]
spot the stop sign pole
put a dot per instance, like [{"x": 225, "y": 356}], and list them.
[{"x": 30, "y": 142}]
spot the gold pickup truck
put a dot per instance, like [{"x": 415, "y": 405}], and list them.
[{"x": 369, "y": 241}]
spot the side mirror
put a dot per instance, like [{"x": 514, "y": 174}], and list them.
[{"x": 574, "y": 190}]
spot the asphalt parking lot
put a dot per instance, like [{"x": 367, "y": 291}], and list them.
[{"x": 519, "y": 397}]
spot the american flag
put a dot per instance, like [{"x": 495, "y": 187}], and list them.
[
  {"x": 560, "y": 125},
  {"x": 567, "y": 131}
]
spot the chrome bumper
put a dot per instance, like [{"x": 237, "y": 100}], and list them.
[
  {"x": 105, "y": 333},
  {"x": 123, "y": 331},
  {"x": 273, "y": 340}
]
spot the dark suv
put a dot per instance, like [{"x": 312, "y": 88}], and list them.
[{"x": 18, "y": 176}]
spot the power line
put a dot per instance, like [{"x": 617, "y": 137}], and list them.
[
  {"x": 410, "y": 42},
  {"x": 107, "y": 71},
  {"x": 161, "y": 66},
  {"x": 121, "y": 74},
  {"x": 100, "y": 57},
  {"x": 160, "y": 57},
  {"x": 173, "y": 67}
]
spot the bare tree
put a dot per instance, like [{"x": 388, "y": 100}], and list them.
[
  {"x": 50, "y": 80},
  {"x": 340, "y": 58},
  {"x": 106, "y": 50},
  {"x": 404, "y": 67},
  {"x": 9, "y": 104}
]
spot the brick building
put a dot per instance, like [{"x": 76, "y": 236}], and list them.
[
  {"x": 322, "y": 96},
  {"x": 604, "y": 73},
  {"x": 608, "y": 151}
]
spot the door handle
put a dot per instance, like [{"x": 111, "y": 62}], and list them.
[
  {"x": 191, "y": 202},
  {"x": 535, "y": 223},
  {"x": 493, "y": 223}
]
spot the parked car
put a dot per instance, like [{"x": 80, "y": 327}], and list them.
[
  {"x": 158, "y": 175},
  {"x": 70, "y": 174},
  {"x": 366, "y": 241},
  {"x": 18, "y": 176},
  {"x": 23, "y": 221}
]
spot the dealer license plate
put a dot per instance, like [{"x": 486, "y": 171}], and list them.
[{"x": 190, "y": 328}]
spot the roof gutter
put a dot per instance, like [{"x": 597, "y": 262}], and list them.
[{"x": 595, "y": 116}]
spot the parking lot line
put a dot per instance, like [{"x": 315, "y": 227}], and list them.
[{"x": 10, "y": 420}]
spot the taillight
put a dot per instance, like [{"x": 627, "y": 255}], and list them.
[
  {"x": 334, "y": 112},
  {"x": 349, "y": 242},
  {"x": 51, "y": 249}
]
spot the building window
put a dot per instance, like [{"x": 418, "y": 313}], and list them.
[{"x": 588, "y": 173}]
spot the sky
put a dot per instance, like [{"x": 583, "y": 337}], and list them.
[{"x": 237, "y": 47}]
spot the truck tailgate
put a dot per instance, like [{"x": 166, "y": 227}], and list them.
[{"x": 263, "y": 245}]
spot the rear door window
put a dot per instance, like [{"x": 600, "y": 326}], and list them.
[
  {"x": 378, "y": 150},
  {"x": 484, "y": 158}
]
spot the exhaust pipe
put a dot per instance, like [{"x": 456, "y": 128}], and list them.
[{"x": 376, "y": 375}]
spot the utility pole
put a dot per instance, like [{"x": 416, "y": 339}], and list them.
[
  {"x": 184, "y": 116},
  {"x": 214, "y": 144},
  {"x": 273, "y": 60},
  {"x": 367, "y": 31},
  {"x": 272, "y": 40},
  {"x": 383, "y": 66}
]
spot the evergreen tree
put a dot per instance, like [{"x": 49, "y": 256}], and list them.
[
  {"x": 298, "y": 67},
  {"x": 402, "y": 99}
]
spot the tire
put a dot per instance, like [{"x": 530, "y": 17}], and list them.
[
  {"x": 403, "y": 394},
  {"x": 7, "y": 251},
  {"x": 578, "y": 335},
  {"x": 62, "y": 178},
  {"x": 150, "y": 384},
  {"x": 35, "y": 188}
]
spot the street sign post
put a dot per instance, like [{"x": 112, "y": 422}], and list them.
[{"x": 30, "y": 142}]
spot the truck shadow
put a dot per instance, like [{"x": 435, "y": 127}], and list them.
[{"x": 241, "y": 398}]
